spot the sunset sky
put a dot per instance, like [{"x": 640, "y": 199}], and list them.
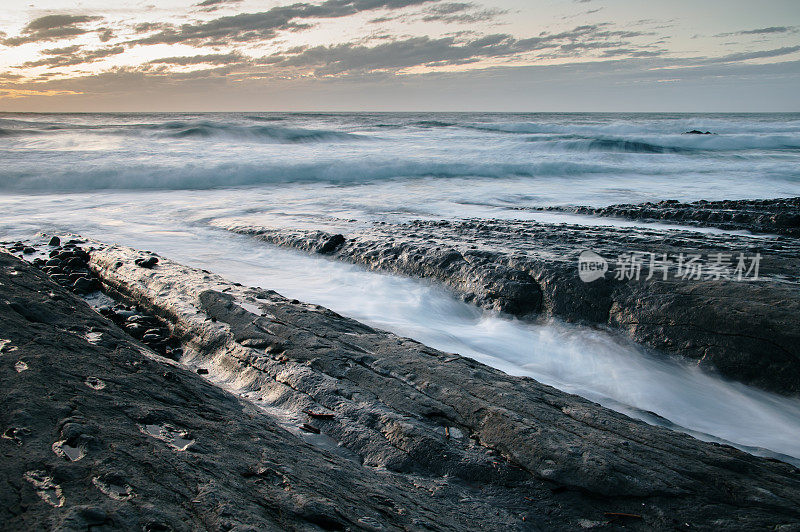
[{"x": 505, "y": 55}]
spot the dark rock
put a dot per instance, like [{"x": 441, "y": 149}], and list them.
[
  {"x": 202, "y": 371},
  {"x": 76, "y": 262},
  {"x": 528, "y": 269},
  {"x": 149, "y": 262},
  {"x": 398, "y": 409},
  {"x": 134, "y": 329},
  {"x": 55, "y": 241},
  {"x": 777, "y": 216},
  {"x": 84, "y": 285},
  {"x": 152, "y": 338},
  {"x": 331, "y": 244}
]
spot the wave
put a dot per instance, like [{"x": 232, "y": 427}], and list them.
[
  {"x": 621, "y": 145},
  {"x": 267, "y": 118},
  {"x": 433, "y": 123},
  {"x": 624, "y": 128},
  {"x": 183, "y": 130},
  {"x": 676, "y": 143},
  {"x": 121, "y": 177},
  {"x": 190, "y": 130}
]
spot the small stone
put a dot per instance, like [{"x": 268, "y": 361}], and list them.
[
  {"x": 83, "y": 284},
  {"x": 152, "y": 338},
  {"x": 55, "y": 241}
]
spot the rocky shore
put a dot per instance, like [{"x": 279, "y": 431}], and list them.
[
  {"x": 774, "y": 216},
  {"x": 744, "y": 325},
  {"x": 284, "y": 415}
]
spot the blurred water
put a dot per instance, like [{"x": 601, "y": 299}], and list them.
[{"x": 160, "y": 182}]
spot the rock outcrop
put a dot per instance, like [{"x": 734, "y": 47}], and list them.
[
  {"x": 744, "y": 327},
  {"x": 304, "y": 419},
  {"x": 774, "y": 216}
]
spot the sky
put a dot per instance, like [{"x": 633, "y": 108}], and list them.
[{"x": 400, "y": 55}]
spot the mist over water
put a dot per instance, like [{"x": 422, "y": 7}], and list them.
[{"x": 162, "y": 182}]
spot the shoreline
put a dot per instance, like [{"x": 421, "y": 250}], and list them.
[
  {"x": 530, "y": 270},
  {"x": 399, "y": 406}
]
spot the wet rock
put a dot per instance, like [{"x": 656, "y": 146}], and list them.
[
  {"x": 406, "y": 408},
  {"x": 195, "y": 440},
  {"x": 748, "y": 331},
  {"x": 776, "y": 216},
  {"x": 331, "y": 244},
  {"x": 82, "y": 518},
  {"x": 84, "y": 285},
  {"x": 54, "y": 241},
  {"x": 149, "y": 262}
]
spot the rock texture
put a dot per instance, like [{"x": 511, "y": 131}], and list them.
[
  {"x": 775, "y": 216},
  {"x": 100, "y": 433},
  {"x": 748, "y": 330},
  {"x": 332, "y": 425}
]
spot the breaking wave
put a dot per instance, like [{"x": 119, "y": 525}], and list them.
[
  {"x": 121, "y": 177},
  {"x": 182, "y": 130},
  {"x": 621, "y": 145},
  {"x": 185, "y": 130}
]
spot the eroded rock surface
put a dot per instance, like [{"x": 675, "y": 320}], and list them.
[
  {"x": 391, "y": 403},
  {"x": 775, "y": 216},
  {"x": 747, "y": 329},
  {"x": 109, "y": 435},
  {"x": 333, "y": 425}
]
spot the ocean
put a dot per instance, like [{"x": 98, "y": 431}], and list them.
[{"x": 167, "y": 182}]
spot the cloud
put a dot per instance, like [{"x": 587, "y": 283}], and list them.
[
  {"x": 105, "y": 34},
  {"x": 61, "y": 51},
  {"x": 213, "y": 5},
  {"x": 210, "y": 59},
  {"x": 10, "y": 76},
  {"x": 26, "y": 93},
  {"x": 771, "y": 30},
  {"x": 459, "y": 12},
  {"x": 51, "y": 28},
  {"x": 744, "y": 56},
  {"x": 50, "y": 22},
  {"x": 248, "y": 27},
  {"x": 69, "y": 56},
  {"x": 425, "y": 51}
]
